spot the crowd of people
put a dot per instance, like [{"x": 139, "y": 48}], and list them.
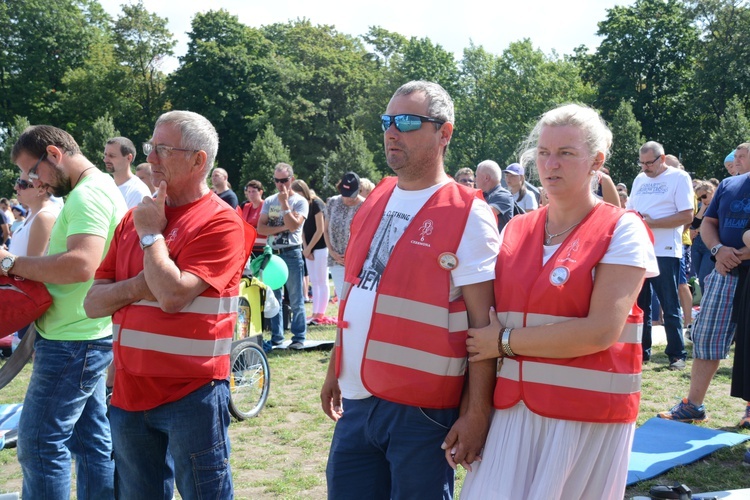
[{"x": 473, "y": 309}]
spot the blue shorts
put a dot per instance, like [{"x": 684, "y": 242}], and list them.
[
  {"x": 713, "y": 330},
  {"x": 685, "y": 265}
]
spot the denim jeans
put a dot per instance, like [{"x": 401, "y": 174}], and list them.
[
  {"x": 294, "y": 285},
  {"x": 186, "y": 440},
  {"x": 64, "y": 416},
  {"x": 665, "y": 288},
  {"x": 384, "y": 450},
  {"x": 702, "y": 262}
]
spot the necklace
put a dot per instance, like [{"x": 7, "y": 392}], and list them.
[
  {"x": 550, "y": 237},
  {"x": 84, "y": 171}
]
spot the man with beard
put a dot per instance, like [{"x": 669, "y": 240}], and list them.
[
  {"x": 119, "y": 154},
  {"x": 64, "y": 413}
]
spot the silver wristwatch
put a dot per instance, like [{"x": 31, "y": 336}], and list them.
[
  {"x": 150, "y": 239},
  {"x": 6, "y": 264},
  {"x": 716, "y": 249}
]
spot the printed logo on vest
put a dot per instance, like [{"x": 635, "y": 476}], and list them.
[
  {"x": 424, "y": 231},
  {"x": 171, "y": 237},
  {"x": 559, "y": 275},
  {"x": 572, "y": 247}
]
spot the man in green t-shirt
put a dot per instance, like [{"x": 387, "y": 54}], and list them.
[{"x": 64, "y": 412}]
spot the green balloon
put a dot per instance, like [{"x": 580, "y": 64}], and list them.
[{"x": 275, "y": 274}]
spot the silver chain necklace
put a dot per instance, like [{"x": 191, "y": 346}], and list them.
[{"x": 550, "y": 237}]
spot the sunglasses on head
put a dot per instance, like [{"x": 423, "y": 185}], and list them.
[
  {"x": 23, "y": 184},
  {"x": 281, "y": 181},
  {"x": 406, "y": 123}
]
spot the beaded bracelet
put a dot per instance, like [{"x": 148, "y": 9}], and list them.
[{"x": 506, "y": 343}]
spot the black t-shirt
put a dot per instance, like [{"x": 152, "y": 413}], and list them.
[
  {"x": 310, "y": 226},
  {"x": 229, "y": 197}
]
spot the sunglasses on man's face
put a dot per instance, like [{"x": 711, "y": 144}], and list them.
[
  {"x": 467, "y": 181},
  {"x": 23, "y": 184},
  {"x": 406, "y": 123},
  {"x": 281, "y": 181}
]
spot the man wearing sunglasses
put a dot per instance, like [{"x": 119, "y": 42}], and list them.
[
  {"x": 421, "y": 254},
  {"x": 64, "y": 413},
  {"x": 664, "y": 197},
  {"x": 281, "y": 219},
  {"x": 170, "y": 282}
]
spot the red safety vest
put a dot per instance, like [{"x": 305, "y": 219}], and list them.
[
  {"x": 193, "y": 343},
  {"x": 416, "y": 346},
  {"x": 603, "y": 387}
]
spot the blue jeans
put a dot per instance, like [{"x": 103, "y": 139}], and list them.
[
  {"x": 384, "y": 450},
  {"x": 186, "y": 439},
  {"x": 64, "y": 415},
  {"x": 665, "y": 288},
  {"x": 702, "y": 262},
  {"x": 294, "y": 286}
]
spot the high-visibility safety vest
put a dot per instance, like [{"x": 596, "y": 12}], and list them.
[
  {"x": 603, "y": 387},
  {"x": 194, "y": 342},
  {"x": 416, "y": 346}
]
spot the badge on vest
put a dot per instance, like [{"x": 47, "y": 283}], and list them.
[
  {"x": 448, "y": 261},
  {"x": 559, "y": 275}
]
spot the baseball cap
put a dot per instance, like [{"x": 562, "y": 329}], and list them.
[
  {"x": 622, "y": 185},
  {"x": 514, "y": 168},
  {"x": 20, "y": 209},
  {"x": 349, "y": 186},
  {"x": 730, "y": 157}
]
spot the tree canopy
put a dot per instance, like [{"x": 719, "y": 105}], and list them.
[{"x": 674, "y": 71}]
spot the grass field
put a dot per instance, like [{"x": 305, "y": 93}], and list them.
[{"x": 281, "y": 454}]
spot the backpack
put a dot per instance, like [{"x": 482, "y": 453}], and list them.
[{"x": 21, "y": 302}]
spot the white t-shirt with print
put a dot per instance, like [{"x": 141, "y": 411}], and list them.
[
  {"x": 477, "y": 254},
  {"x": 661, "y": 196}
]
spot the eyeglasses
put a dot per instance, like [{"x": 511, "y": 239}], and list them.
[
  {"x": 32, "y": 173},
  {"x": 406, "y": 123},
  {"x": 281, "y": 181},
  {"x": 703, "y": 197},
  {"x": 468, "y": 182},
  {"x": 649, "y": 163},
  {"x": 23, "y": 184},
  {"x": 163, "y": 151}
]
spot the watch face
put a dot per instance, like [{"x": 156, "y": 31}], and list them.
[{"x": 6, "y": 263}]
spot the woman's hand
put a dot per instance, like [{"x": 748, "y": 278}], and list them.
[{"x": 482, "y": 342}]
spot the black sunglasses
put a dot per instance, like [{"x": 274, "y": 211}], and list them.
[
  {"x": 648, "y": 163},
  {"x": 406, "y": 123},
  {"x": 703, "y": 196},
  {"x": 23, "y": 184},
  {"x": 281, "y": 181}
]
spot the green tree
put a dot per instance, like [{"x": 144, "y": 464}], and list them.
[
  {"x": 323, "y": 76},
  {"x": 224, "y": 76},
  {"x": 647, "y": 58},
  {"x": 93, "y": 140},
  {"x": 733, "y": 130},
  {"x": 351, "y": 155},
  {"x": 40, "y": 40},
  {"x": 423, "y": 60},
  {"x": 8, "y": 170},
  {"x": 141, "y": 43},
  {"x": 626, "y": 141},
  {"x": 265, "y": 152}
]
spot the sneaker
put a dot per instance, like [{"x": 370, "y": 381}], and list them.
[
  {"x": 677, "y": 364},
  {"x": 277, "y": 342},
  {"x": 296, "y": 346},
  {"x": 745, "y": 422},
  {"x": 685, "y": 411},
  {"x": 312, "y": 322}
]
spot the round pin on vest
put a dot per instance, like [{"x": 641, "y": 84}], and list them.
[
  {"x": 559, "y": 275},
  {"x": 448, "y": 261}
]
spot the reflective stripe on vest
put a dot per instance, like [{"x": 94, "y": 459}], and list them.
[
  {"x": 168, "y": 344},
  {"x": 203, "y": 305},
  {"x": 415, "y": 359},
  {"x": 572, "y": 377},
  {"x": 422, "y": 313}
]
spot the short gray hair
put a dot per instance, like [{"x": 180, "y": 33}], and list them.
[
  {"x": 491, "y": 168},
  {"x": 440, "y": 104},
  {"x": 197, "y": 133},
  {"x": 654, "y": 147},
  {"x": 285, "y": 167}
]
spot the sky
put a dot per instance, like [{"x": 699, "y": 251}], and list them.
[{"x": 550, "y": 24}]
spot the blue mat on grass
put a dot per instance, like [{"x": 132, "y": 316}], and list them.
[
  {"x": 9, "y": 417},
  {"x": 660, "y": 445}
]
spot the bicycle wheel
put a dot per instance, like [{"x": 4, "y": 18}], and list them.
[{"x": 249, "y": 380}]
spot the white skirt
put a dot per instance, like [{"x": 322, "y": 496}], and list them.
[{"x": 528, "y": 456}]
